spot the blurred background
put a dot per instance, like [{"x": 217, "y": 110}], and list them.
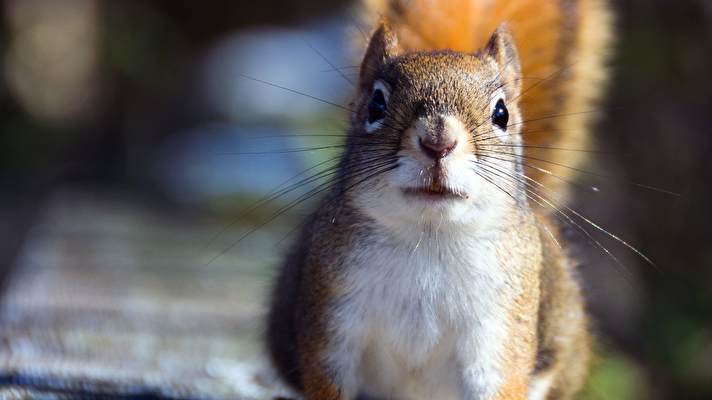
[{"x": 137, "y": 138}]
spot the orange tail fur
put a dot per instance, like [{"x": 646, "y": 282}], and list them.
[{"x": 563, "y": 47}]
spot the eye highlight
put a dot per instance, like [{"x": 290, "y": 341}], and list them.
[
  {"x": 376, "y": 106},
  {"x": 500, "y": 115}
]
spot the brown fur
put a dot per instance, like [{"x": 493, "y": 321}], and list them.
[
  {"x": 564, "y": 348},
  {"x": 546, "y": 324},
  {"x": 563, "y": 46},
  {"x": 521, "y": 345}
]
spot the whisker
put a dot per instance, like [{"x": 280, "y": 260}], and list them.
[
  {"x": 323, "y": 57},
  {"x": 547, "y": 148},
  {"x": 301, "y": 199},
  {"x": 535, "y": 188},
  {"x": 295, "y": 92},
  {"x": 544, "y": 118},
  {"x": 567, "y": 219},
  {"x": 542, "y": 170},
  {"x": 583, "y": 171},
  {"x": 357, "y": 25},
  {"x": 280, "y": 190},
  {"x": 273, "y": 195},
  {"x": 527, "y": 195},
  {"x": 371, "y": 145},
  {"x": 297, "y": 135},
  {"x": 309, "y": 96},
  {"x": 342, "y": 68},
  {"x": 550, "y": 77},
  {"x": 497, "y": 186},
  {"x": 281, "y": 151},
  {"x": 522, "y": 133}
]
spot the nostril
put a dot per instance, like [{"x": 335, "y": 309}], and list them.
[{"x": 437, "y": 149}]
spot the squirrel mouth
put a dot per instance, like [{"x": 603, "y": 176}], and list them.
[{"x": 435, "y": 191}]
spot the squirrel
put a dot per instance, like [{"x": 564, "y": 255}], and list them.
[{"x": 431, "y": 268}]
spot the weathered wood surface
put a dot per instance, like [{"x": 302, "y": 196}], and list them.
[{"x": 113, "y": 298}]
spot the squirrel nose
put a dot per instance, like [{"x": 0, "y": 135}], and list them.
[{"x": 437, "y": 149}]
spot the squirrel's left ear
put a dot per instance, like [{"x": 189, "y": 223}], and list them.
[
  {"x": 502, "y": 48},
  {"x": 382, "y": 46}
]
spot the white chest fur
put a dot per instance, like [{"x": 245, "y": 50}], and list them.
[{"x": 423, "y": 318}]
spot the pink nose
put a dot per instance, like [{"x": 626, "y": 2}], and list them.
[{"x": 437, "y": 149}]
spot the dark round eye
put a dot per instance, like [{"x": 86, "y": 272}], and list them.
[
  {"x": 376, "y": 106},
  {"x": 500, "y": 115}
]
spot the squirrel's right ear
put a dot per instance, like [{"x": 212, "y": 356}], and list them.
[
  {"x": 382, "y": 46},
  {"x": 503, "y": 50}
]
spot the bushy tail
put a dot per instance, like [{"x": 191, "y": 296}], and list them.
[{"x": 563, "y": 47}]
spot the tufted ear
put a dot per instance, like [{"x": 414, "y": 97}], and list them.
[
  {"x": 382, "y": 46},
  {"x": 503, "y": 50}
]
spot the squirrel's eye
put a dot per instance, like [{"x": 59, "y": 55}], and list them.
[
  {"x": 500, "y": 115},
  {"x": 376, "y": 106}
]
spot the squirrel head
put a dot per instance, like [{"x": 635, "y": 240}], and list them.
[{"x": 439, "y": 131}]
